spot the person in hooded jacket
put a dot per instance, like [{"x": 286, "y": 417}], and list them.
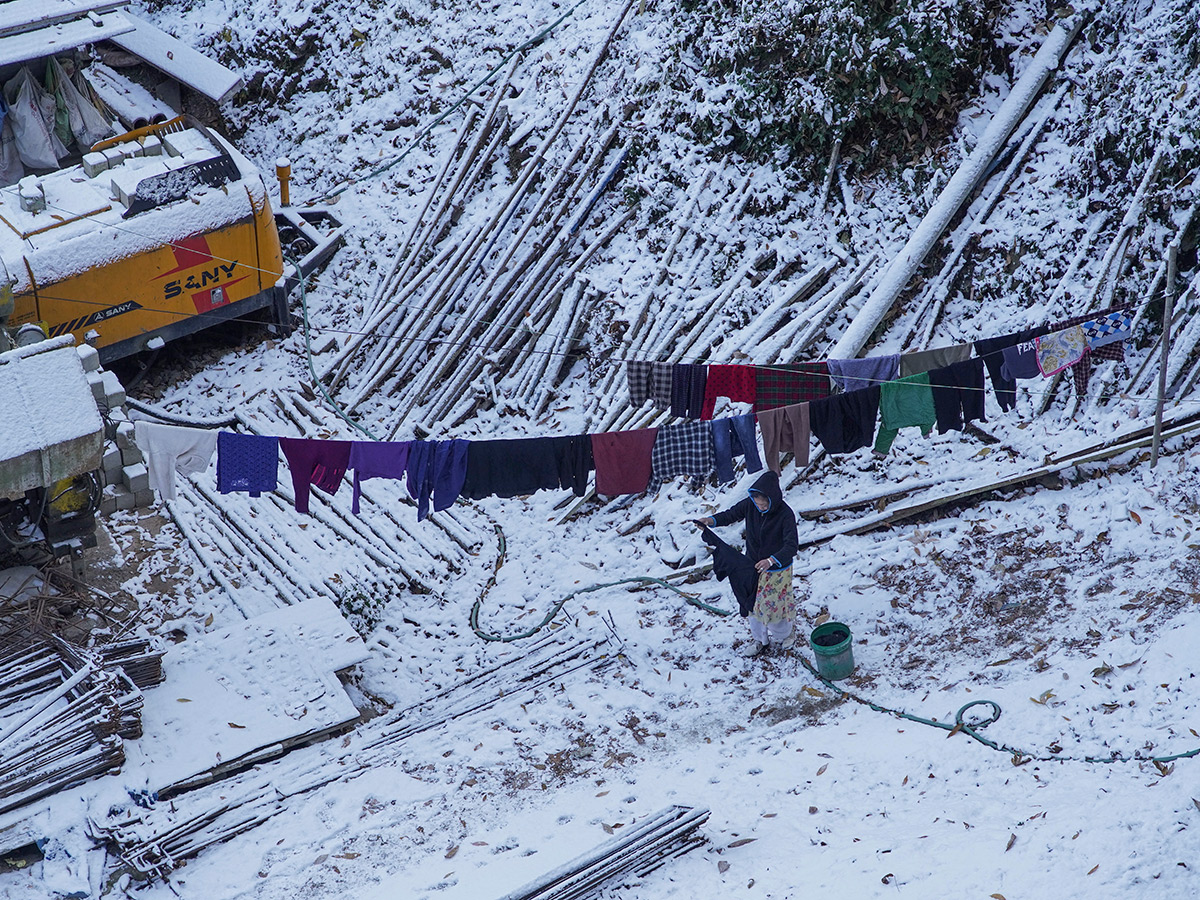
[{"x": 771, "y": 543}]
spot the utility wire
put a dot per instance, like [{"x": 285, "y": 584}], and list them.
[{"x": 786, "y": 368}]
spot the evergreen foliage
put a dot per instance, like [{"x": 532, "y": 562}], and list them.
[{"x": 787, "y": 78}]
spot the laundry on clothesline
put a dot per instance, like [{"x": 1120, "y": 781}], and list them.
[
  {"x": 785, "y": 429},
  {"x": 785, "y": 385},
  {"x": 322, "y": 464},
  {"x": 903, "y": 403},
  {"x": 732, "y": 437},
  {"x": 376, "y": 459},
  {"x": 1060, "y": 350},
  {"x": 844, "y": 423},
  {"x": 247, "y": 463},
  {"x": 958, "y": 394},
  {"x": 171, "y": 449},
  {"x": 793, "y": 403},
  {"x": 692, "y": 390},
  {"x": 936, "y": 358},
  {"x": 687, "y": 390},
  {"x": 851, "y": 374},
  {"x": 738, "y": 383}
]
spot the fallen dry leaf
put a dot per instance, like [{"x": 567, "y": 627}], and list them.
[
  {"x": 722, "y": 867},
  {"x": 450, "y": 853},
  {"x": 1012, "y": 839},
  {"x": 741, "y": 842}
]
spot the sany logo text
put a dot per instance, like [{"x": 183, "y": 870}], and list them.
[{"x": 215, "y": 275}]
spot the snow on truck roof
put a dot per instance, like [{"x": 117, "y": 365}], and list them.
[{"x": 85, "y": 223}]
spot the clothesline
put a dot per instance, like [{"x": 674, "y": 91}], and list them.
[
  {"x": 438, "y": 473},
  {"x": 1044, "y": 350}
]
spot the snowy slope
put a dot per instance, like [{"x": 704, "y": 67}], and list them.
[{"x": 1069, "y": 601}]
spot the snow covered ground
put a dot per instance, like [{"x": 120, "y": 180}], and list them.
[{"x": 1070, "y": 601}]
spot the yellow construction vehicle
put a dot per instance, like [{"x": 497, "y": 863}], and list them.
[
  {"x": 157, "y": 229},
  {"x": 149, "y": 246}
]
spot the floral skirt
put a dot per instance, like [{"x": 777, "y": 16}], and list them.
[{"x": 775, "y": 601}]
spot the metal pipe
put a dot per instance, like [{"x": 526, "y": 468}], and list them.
[{"x": 283, "y": 171}]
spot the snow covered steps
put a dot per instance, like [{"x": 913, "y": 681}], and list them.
[{"x": 637, "y": 851}]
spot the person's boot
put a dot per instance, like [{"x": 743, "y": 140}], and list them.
[
  {"x": 753, "y": 649},
  {"x": 788, "y": 643}
]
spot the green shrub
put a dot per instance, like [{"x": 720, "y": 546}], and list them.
[{"x": 789, "y": 77}]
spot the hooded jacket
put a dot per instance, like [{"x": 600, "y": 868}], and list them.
[{"x": 770, "y": 534}]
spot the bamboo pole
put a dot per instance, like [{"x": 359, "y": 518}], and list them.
[
  {"x": 401, "y": 258},
  {"x": 957, "y": 191},
  {"x": 1172, "y": 255}
]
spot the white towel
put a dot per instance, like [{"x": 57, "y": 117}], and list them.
[{"x": 172, "y": 448}]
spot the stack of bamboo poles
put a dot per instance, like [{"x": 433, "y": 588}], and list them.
[
  {"x": 638, "y": 850},
  {"x": 59, "y": 725},
  {"x": 154, "y": 842},
  {"x": 460, "y": 305},
  {"x": 253, "y": 548}
]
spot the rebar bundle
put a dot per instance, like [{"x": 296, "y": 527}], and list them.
[
  {"x": 62, "y": 718},
  {"x": 638, "y": 850},
  {"x": 154, "y": 842}
]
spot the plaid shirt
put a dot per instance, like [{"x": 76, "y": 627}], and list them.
[
  {"x": 637, "y": 373},
  {"x": 660, "y": 384},
  {"x": 1082, "y": 370},
  {"x": 786, "y": 385},
  {"x": 684, "y": 449}
]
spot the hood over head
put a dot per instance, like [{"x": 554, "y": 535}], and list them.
[{"x": 768, "y": 485}]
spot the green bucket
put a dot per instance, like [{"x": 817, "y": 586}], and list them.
[{"x": 831, "y": 645}]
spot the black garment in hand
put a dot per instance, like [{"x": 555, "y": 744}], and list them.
[
  {"x": 771, "y": 534},
  {"x": 738, "y": 568}
]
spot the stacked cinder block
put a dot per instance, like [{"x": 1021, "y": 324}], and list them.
[{"x": 123, "y": 470}]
